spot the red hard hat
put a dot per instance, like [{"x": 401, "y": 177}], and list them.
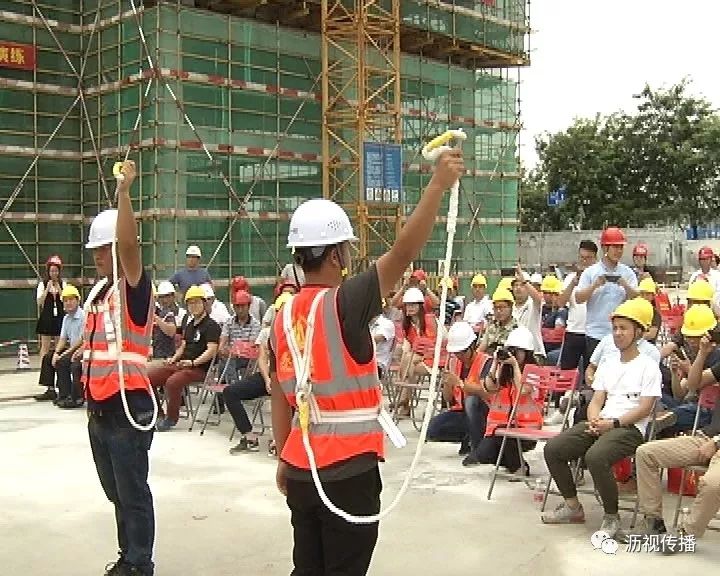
[
  {"x": 419, "y": 274},
  {"x": 705, "y": 252},
  {"x": 54, "y": 260},
  {"x": 612, "y": 236},
  {"x": 239, "y": 283},
  {"x": 242, "y": 298},
  {"x": 640, "y": 250}
]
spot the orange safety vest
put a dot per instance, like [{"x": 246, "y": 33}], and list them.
[
  {"x": 339, "y": 385},
  {"x": 430, "y": 330},
  {"x": 455, "y": 366},
  {"x": 101, "y": 350},
  {"x": 527, "y": 415}
]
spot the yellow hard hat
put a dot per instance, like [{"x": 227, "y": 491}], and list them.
[
  {"x": 194, "y": 292},
  {"x": 449, "y": 282},
  {"x": 638, "y": 310},
  {"x": 281, "y": 300},
  {"x": 70, "y": 292},
  {"x": 550, "y": 284},
  {"x": 698, "y": 319},
  {"x": 478, "y": 280},
  {"x": 648, "y": 285},
  {"x": 505, "y": 284},
  {"x": 700, "y": 290},
  {"x": 503, "y": 295}
]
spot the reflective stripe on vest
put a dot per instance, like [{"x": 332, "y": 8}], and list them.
[
  {"x": 100, "y": 370},
  {"x": 528, "y": 413},
  {"x": 347, "y": 395}
]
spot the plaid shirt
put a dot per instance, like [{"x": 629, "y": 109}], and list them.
[
  {"x": 247, "y": 332},
  {"x": 496, "y": 334}
]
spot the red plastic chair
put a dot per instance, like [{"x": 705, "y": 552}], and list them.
[
  {"x": 553, "y": 335},
  {"x": 545, "y": 381}
]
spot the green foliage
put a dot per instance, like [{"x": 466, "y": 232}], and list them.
[{"x": 659, "y": 165}]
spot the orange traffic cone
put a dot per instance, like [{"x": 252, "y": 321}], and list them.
[{"x": 23, "y": 359}]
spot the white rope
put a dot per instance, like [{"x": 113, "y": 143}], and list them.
[{"x": 431, "y": 152}]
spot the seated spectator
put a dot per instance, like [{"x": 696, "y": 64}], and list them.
[
  {"x": 168, "y": 315},
  {"x": 241, "y": 327},
  {"x": 626, "y": 387},
  {"x": 382, "y": 330},
  {"x": 681, "y": 403},
  {"x": 453, "y": 303},
  {"x": 552, "y": 316},
  {"x": 700, "y": 449},
  {"x": 501, "y": 324},
  {"x": 193, "y": 274},
  {"x": 648, "y": 290},
  {"x": 216, "y": 309},
  {"x": 479, "y": 310},
  {"x": 502, "y": 382},
  {"x": 417, "y": 323},
  {"x": 258, "y": 308},
  {"x": 65, "y": 361},
  {"x": 191, "y": 360},
  {"x": 252, "y": 387},
  {"x": 465, "y": 420}
]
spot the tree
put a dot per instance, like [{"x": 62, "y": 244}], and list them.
[{"x": 658, "y": 165}]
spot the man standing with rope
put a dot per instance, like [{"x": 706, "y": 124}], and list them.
[
  {"x": 322, "y": 338},
  {"x": 118, "y": 329}
]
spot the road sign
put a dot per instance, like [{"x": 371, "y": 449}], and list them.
[
  {"x": 557, "y": 196},
  {"x": 382, "y": 172}
]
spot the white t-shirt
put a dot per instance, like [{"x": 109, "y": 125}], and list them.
[
  {"x": 476, "y": 312},
  {"x": 219, "y": 312},
  {"x": 576, "y": 312},
  {"x": 179, "y": 316},
  {"x": 383, "y": 350},
  {"x": 625, "y": 383},
  {"x": 528, "y": 315},
  {"x": 606, "y": 348},
  {"x": 713, "y": 278}
]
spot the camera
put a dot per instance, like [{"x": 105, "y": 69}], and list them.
[{"x": 503, "y": 354}]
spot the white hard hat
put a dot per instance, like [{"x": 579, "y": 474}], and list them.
[
  {"x": 413, "y": 296},
  {"x": 319, "y": 222},
  {"x": 165, "y": 288},
  {"x": 193, "y": 251},
  {"x": 520, "y": 337},
  {"x": 209, "y": 292},
  {"x": 460, "y": 336},
  {"x": 536, "y": 278},
  {"x": 102, "y": 229}
]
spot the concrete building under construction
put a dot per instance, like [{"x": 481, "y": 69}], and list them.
[{"x": 238, "y": 110}]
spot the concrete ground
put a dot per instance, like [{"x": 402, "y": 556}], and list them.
[{"x": 222, "y": 515}]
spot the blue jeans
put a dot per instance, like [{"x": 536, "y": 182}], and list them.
[
  {"x": 685, "y": 412},
  {"x": 476, "y": 411},
  {"x": 553, "y": 357},
  {"x": 121, "y": 459},
  {"x": 448, "y": 426}
]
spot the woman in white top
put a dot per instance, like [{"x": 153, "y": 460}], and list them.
[{"x": 50, "y": 305}]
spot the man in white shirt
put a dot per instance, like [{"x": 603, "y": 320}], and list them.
[
  {"x": 215, "y": 309},
  {"x": 382, "y": 330},
  {"x": 527, "y": 310},
  {"x": 707, "y": 271},
  {"x": 626, "y": 387},
  {"x": 480, "y": 307},
  {"x": 573, "y": 348}
]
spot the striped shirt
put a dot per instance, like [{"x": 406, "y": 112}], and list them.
[{"x": 234, "y": 331}]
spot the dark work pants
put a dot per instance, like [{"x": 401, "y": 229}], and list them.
[
  {"x": 476, "y": 411},
  {"x": 448, "y": 426},
  {"x": 600, "y": 454},
  {"x": 121, "y": 459},
  {"x": 325, "y": 544},
  {"x": 66, "y": 372},
  {"x": 573, "y": 349},
  {"x": 247, "y": 389}
]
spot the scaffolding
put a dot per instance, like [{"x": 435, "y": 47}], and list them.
[{"x": 237, "y": 112}]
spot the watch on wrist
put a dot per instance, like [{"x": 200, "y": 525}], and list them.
[{"x": 616, "y": 423}]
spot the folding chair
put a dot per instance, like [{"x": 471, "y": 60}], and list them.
[
  {"x": 212, "y": 377},
  {"x": 553, "y": 335},
  {"x": 707, "y": 399},
  {"x": 545, "y": 380}
]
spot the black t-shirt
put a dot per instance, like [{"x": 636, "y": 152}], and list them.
[
  {"x": 197, "y": 336},
  {"x": 138, "y": 302},
  {"x": 359, "y": 301}
]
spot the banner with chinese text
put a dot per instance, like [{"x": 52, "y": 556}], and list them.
[{"x": 19, "y": 56}]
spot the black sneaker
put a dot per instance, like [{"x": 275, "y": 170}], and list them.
[
  {"x": 70, "y": 403},
  {"x": 246, "y": 445},
  {"x": 118, "y": 568},
  {"x": 464, "y": 448},
  {"x": 49, "y": 394}
]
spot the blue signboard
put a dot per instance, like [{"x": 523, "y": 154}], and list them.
[
  {"x": 557, "y": 196},
  {"x": 382, "y": 173}
]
